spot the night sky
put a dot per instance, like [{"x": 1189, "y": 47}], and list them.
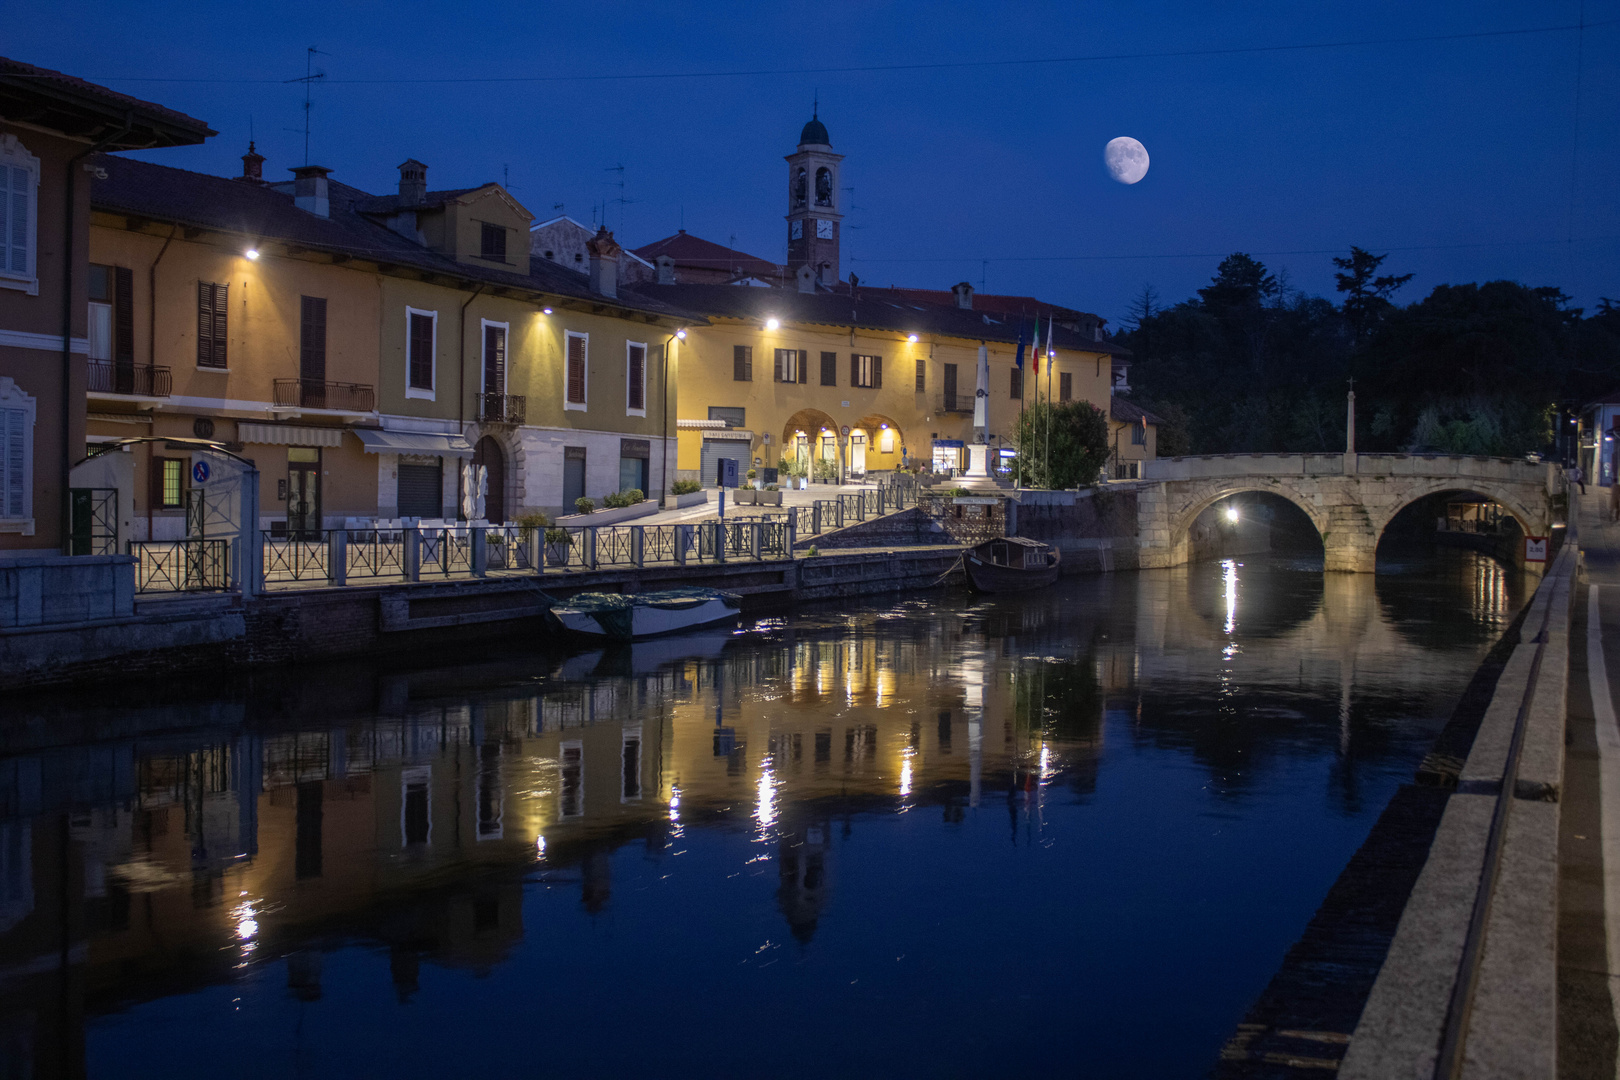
[{"x": 1459, "y": 151}]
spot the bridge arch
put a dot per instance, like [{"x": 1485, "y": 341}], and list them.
[
  {"x": 1206, "y": 496},
  {"x": 1529, "y": 520}
]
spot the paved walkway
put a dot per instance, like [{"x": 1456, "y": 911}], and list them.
[{"x": 1589, "y": 815}]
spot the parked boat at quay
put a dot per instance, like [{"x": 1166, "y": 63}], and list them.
[{"x": 1011, "y": 564}]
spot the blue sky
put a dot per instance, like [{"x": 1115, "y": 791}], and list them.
[{"x": 1458, "y": 150}]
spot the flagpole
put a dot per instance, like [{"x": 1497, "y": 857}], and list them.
[{"x": 1048, "y": 395}]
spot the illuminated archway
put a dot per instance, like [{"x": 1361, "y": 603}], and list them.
[{"x": 876, "y": 444}]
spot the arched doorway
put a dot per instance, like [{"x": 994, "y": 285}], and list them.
[
  {"x": 487, "y": 452},
  {"x": 876, "y": 445}
]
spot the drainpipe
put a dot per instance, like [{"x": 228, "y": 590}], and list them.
[
  {"x": 461, "y": 394},
  {"x": 66, "y": 510},
  {"x": 664, "y": 471},
  {"x": 151, "y": 357}
]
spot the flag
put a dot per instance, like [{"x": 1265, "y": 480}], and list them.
[
  {"x": 1035, "y": 350},
  {"x": 1018, "y": 361}
]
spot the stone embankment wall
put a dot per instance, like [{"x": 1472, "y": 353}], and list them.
[
  {"x": 906, "y": 528},
  {"x": 1095, "y": 529},
  {"x": 213, "y": 632}
]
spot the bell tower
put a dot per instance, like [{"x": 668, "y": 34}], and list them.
[{"x": 814, "y": 223}]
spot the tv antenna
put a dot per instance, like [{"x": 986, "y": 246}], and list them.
[
  {"x": 311, "y": 77},
  {"x": 621, "y": 200}
]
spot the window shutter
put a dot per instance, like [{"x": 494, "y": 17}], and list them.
[
  {"x": 123, "y": 314},
  {"x": 742, "y": 363},
  {"x": 494, "y": 360},
  {"x": 155, "y": 493},
  {"x": 779, "y": 365},
  {"x": 205, "y": 324},
  {"x": 576, "y": 370},
  {"x": 420, "y": 360},
  {"x": 221, "y": 316},
  {"x": 12, "y": 423},
  {"x": 922, "y": 375},
  {"x": 877, "y": 372},
  {"x": 638, "y": 374},
  {"x": 312, "y": 339},
  {"x": 854, "y": 369},
  {"x": 5, "y": 217},
  {"x": 802, "y": 359}
]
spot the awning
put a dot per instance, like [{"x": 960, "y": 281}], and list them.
[
  {"x": 413, "y": 442},
  {"x": 288, "y": 435}
]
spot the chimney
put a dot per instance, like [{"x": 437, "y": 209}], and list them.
[
  {"x": 964, "y": 295},
  {"x": 252, "y": 166},
  {"x": 310, "y": 190},
  {"x": 412, "y": 182},
  {"x": 807, "y": 279},
  {"x": 604, "y": 256},
  {"x": 666, "y": 270}
]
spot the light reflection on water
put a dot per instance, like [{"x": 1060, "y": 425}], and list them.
[{"x": 950, "y": 821}]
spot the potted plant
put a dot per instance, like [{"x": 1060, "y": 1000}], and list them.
[
  {"x": 745, "y": 496},
  {"x": 556, "y": 547},
  {"x": 771, "y": 496},
  {"x": 584, "y": 504},
  {"x": 685, "y": 487}
]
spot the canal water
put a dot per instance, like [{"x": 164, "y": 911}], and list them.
[{"x": 1071, "y": 833}]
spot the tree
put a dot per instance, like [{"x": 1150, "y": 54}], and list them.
[
  {"x": 1061, "y": 446},
  {"x": 1367, "y": 298},
  {"x": 1145, "y": 306},
  {"x": 1238, "y": 299}
]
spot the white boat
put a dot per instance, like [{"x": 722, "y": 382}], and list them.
[{"x": 634, "y": 616}]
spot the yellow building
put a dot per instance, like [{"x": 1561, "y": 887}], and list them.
[
  {"x": 375, "y": 357},
  {"x": 857, "y": 381}
]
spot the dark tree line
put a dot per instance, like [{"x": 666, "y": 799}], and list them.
[{"x": 1253, "y": 365}]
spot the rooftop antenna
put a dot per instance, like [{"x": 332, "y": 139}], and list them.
[
  {"x": 311, "y": 76},
  {"x": 621, "y": 200}
]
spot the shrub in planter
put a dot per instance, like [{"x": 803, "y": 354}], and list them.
[
  {"x": 960, "y": 491},
  {"x": 528, "y": 523},
  {"x": 557, "y": 547},
  {"x": 585, "y": 504},
  {"x": 752, "y": 473},
  {"x": 686, "y": 487},
  {"x": 772, "y": 487},
  {"x": 614, "y": 500}
]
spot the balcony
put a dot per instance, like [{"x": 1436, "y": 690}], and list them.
[
  {"x": 958, "y": 402},
  {"x": 335, "y": 396},
  {"x": 136, "y": 380},
  {"x": 502, "y": 408}
]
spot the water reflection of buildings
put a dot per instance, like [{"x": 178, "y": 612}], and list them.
[{"x": 407, "y": 811}]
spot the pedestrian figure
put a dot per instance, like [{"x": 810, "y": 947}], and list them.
[
  {"x": 1614, "y": 501},
  {"x": 1579, "y": 477}
]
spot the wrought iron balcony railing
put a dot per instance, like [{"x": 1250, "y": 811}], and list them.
[
  {"x": 143, "y": 380},
  {"x": 959, "y": 402},
  {"x": 309, "y": 394},
  {"x": 502, "y": 408}
]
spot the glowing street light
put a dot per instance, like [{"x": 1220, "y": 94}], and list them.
[
  {"x": 251, "y": 253},
  {"x": 681, "y": 334},
  {"x": 911, "y": 338},
  {"x": 1232, "y": 514},
  {"x": 773, "y": 323},
  {"x": 545, "y": 311}
]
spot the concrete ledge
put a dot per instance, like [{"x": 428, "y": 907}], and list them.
[
  {"x": 610, "y": 516},
  {"x": 1512, "y": 1030}
]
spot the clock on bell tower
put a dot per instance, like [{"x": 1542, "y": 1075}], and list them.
[{"x": 813, "y": 219}]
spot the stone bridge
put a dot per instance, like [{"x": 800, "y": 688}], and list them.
[{"x": 1350, "y": 498}]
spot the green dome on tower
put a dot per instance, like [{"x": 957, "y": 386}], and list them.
[{"x": 814, "y": 134}]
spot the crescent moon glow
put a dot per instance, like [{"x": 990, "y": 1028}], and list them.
[{"x": 1127, "y": 159}]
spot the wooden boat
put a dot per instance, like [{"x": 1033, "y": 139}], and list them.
[
  {"x": 1011, "y": 564},
  {"x": 634, "y": 616}
]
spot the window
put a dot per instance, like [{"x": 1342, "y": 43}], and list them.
[
  {"x": 19, "y": 198},
  {"x": 168, "y": 483},
  {"x": 1017, "y": 388},
  {"x": 101, "y": 289},
  {"x": 211, "y": 312},
  {"x": 17, "y": 411},
  {"x": 578, "y": 375},
  {"x": 922, "y": 376},
  {"x": 790, "y": 366},
  {"x": 1139, "y": 433},
  {"x": 742, "y": 363},
  {"x": 634, "y": 455},
  {"x": 494, "y": 356},
  {"x": 635, "y": 374},
  {"x": 949, "y": 400},
  {"x": 866, "y": 371},
  {"x": 1065, "y": 386},
  {"x": 829, "y": 369},
  {"x": 421, "y": 346},
  {"x": 493, "y": 246},
  {"x": 733, "y": 416},
  {"x": 416, "y": 806}
]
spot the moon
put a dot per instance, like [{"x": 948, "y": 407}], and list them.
[{"x": 1127, "y": 159}]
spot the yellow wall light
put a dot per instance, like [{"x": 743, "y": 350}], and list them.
[
  {"x": 252, "y": 253},
  {"x": 773, "y": 323}
]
